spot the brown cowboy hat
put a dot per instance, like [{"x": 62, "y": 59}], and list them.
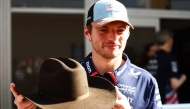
[{"x": 63, "y": 84}]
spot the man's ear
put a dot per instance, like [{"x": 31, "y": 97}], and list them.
[
  {"x": 168, "y": 40},
  {"x": 86, "y": 33}
]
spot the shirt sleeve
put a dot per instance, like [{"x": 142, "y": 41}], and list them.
[{"x": 155, "y": 99}]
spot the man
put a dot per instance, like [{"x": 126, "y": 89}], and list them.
[
  {"x": 107, "y": 28},
  {"x": 148, "y": 52},
  {"x": 165, "y": 69}
]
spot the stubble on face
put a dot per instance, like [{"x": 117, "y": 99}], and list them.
[
  {"x": 117, "y": 46},
  {"x": 107, "y": 55}
]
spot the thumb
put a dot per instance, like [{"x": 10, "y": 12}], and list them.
[
  {"x": 119, "y": 95},
  {"x": 122, "y": 101},
  {"x": 13, "y": 90}
]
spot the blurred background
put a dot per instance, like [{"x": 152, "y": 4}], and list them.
[{"x": 33, "y": 30}]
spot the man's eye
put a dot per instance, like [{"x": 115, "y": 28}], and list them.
[
  {"x": 120, "y": 30},
  {"x": 103, "y": 30}
]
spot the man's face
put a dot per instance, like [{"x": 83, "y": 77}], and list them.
[
  {"x": 109, "y": 41},
  {"x": 152, "y": 50},
  {"x": 170, "y": 44}
]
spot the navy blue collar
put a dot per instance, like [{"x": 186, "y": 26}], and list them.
[{"x": 111, "y": 76}]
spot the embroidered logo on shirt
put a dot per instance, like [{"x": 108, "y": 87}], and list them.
[
  {"x": 132, "y": 73},
  {"x": 174, "y": 66},
  {"x": 88, "y": 67},
  {"x": 126, "y": 89},
  {"x": 122, "y": 70}
]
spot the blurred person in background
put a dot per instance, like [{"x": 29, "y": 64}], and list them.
[
  {"x": 164, "y": 68},
  {"x": 148, "y": 52}
]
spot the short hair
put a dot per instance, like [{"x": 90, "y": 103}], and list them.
[
  {"x": 162, "y": 36},
  {"x": 89, "y": 27}
]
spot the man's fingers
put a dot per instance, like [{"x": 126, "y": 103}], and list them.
[
  {"x": 26, "y": 105},
  {"x": 13, "y": 90},
  {"x": 119, "y": 94},
  {"x": 23, "y": 103},
  {"x": 19, "y": 99},
  {"x": 121, "y": 102},
  {"x": 31, "y": 106}
]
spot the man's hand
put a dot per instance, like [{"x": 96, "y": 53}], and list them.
[
  {"x": 121, "y": 102},
  {"x": 19, "y": 101}
]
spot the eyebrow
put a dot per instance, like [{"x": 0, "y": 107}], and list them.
[{"x": 122, "y": 26}]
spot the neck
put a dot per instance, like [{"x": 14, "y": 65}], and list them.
[
  {"x": 165, "y": 48},
  {"x": 103, "y": 65}
]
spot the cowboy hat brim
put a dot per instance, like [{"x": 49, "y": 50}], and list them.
[{"x": 102, "y": 95}]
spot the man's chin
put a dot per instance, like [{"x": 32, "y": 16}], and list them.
[{"x": 110, "y": 56}]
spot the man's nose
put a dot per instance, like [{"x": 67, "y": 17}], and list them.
[{"x": 112, "y": 35}]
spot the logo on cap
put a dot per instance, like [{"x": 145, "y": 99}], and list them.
[
  {"x": 89, "y": 18},
  {"x": 110, "y": 7},
  {"x": 102, "y": 22}
]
